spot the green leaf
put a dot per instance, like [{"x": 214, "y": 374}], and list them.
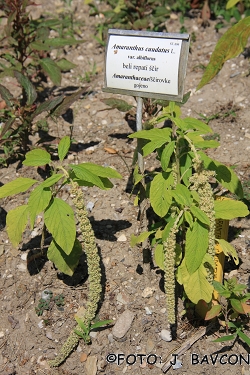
[
  {"x": 66, "y": 263},
  {"x": 141, "y": 238},
  {"x": 60, "y": 221},
  {"x": 52, "y": 70},
  {"x": 51, "y": 180},
  {"x": 225, "y": 338},
  {"x": 101, "y": 171},
  {"x": 19, "y": 185},
  {"x": 213, "y": 312},
  {"x": 152, "y": 146},
  {"x": 221, "y": 289},
  {"x": 119, "y": 104},
  {"x": 6, "y": 95},
  {"x": 63, "y": 147},
  {"x": 200, "y": 215},
  {"x": 65, "y": 65},
  {"x": 159, "y": 256},
  {"x": 182, "y": 195},
  {"x": 36, "y": 158},
  {"x": 62, "y": 42},
  {"x": 196, "y": 285},
  {"x": 16, "y": 222},
  {"x": 188, "y": 218},
  {"x": 196, "y": 246},
  {"x": 243, "y": 337},
  {"x": 67, "y": 101},
  {"x": 160, "y": 196},
  {"x": 228, "y": 250},
  {"x": 231, "y": 3},
  {"x": 186, "y": 168},
  {"x": 28, "y": 87},
  {"x": 237, "y": 306},
  {"x": 229, "y": 209},
  {"x": 101, "y": 323},
  {"x": 230, "y": 45},
  {"x": 207, "y": 144},
  {"x": 193, "y": 123},
  {"x": 155, "y": 134},
  {"x": 224, "y": 175},
  {"x": 137, "y": 176},
  {"x": 39, "y": 199},
  {"x": 166, "y": 154},
  {"x": 47, "y": 106},
  {"x": 84, "y": 174}
]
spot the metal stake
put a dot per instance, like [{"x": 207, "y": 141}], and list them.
[{"x": 139, "y": 127}]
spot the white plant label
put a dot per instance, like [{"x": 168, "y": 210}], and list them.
[{"x": 143, "y": 64}]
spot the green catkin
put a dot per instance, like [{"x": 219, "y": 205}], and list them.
[
  {"x": 169, "y": 275},
  {"x": 94, "y": 271},
  {"x": 200, "y": 183}
]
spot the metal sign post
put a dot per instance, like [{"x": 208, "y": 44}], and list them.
[{"x": 146, "y": 64}]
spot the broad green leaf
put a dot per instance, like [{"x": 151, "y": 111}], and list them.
[
  {"x": 231, "y": 3},
  {"x": 229, "y": 209},
  {"x": 19, "y": 185},
  {"x": 47, "y": 106},
  {"x": 39, "y": 199},
  {"x": 224, "y": 175},
  {"x": 6, "y": 95},
  {"x": 207, "y": 144},
  {"x": 225, "y": 338},
  {"x": 141, "y": 238},
  {"x": 51, "y": 180},
  {"x": 196, "y": 246},
  {"x": 28, "y": 87},
  {"x": 208, "y": 259},
  {"x": 16, "y": 222},
  {"x": 244, "y": 337},
  {"x": 200, "y": 215},
  {"x": 119, "y": 104},
  {"x": 196, "y": 285},
  {"x": 221, "y": 289},
  {"x": 65, "y": 65},
  {"x": 159, "y": 256},
  {"x": 230, "y": 45},
  {"x": 101, "y": 171},
  {"x": 81, "y": 324},
  {"x": 63, "y": 147},
  {"x": 152, "y": 146},
  {"x": 237, "y": 306},
  {"x": 153, "y": 134},
  {"x": 67, "y": 101},
  {"x": 228, "y": 250},
  {"x": 179, "y": 122},
  {"x": 52, "y": 70},
  {"x": 65, "y": 263},
  {"x": 182, "y": 195},
  {"x": 39, "y": 46},
  {"x": 160, "y": 196},
  {"x": 37, "y": 157},
  {"x": 84, "y": 174},
  {"x": 60, "y": 221},
  {"x": 193, "y": 123},
  {"x": 166, "y": 154},
  {"x": 213, "y": 312}
]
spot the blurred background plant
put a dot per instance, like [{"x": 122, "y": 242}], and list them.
[{"x": 26, "y": 55}]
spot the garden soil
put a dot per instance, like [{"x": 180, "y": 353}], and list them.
[{"x": 29, "y": 341}]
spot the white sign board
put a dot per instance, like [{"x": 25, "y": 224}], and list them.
[{"x": 146, "y": 64}]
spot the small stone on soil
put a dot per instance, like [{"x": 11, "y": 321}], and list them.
[
  {"x": 166, "y": 335},
  {"x": 123, "y": 324}
]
